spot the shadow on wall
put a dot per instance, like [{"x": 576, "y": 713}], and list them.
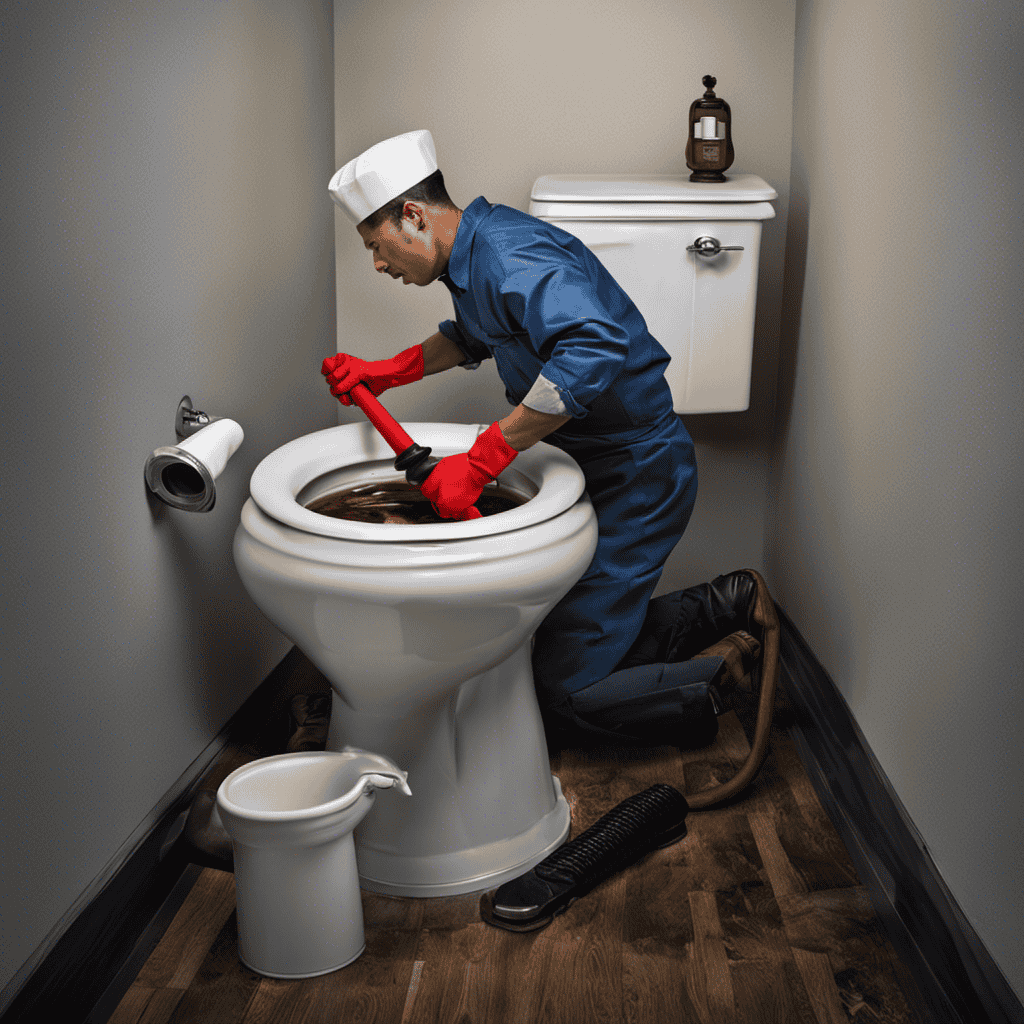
[
  {"x": 221, "y": 650},
  {"x": 794, "y": 276}
]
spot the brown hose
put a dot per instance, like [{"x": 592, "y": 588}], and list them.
[{"x": 764, "y": 615}]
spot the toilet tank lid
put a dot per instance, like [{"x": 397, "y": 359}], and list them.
[{"x": 650, "y": 188}]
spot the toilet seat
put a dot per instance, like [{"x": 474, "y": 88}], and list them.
[{"x": 354, "y": 453}]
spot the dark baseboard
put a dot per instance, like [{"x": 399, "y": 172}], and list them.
[
  {"x": 958, "y": 980},
  {"x": 106, "y": 935},
  {"x": 144, "y": 946}
]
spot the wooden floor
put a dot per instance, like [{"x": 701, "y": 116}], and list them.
[{"x": 757, "y": 915}]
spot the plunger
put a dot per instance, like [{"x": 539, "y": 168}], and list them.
[{"x": 412, "y": 459}]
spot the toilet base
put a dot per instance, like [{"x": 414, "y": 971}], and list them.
[
  {"x": 467, "y": 870},
  {"x": 484, "y": 807}
]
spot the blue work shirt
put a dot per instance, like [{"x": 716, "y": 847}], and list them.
[{"x": 538, "y": 301}]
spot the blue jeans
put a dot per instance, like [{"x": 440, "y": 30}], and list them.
[{"x": 643, "y": 486}]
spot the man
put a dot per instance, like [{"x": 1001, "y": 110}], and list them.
[{"x": 583, "y": 373}]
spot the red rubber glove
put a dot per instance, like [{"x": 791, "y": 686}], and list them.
[
  {"x": 344, "y": 372},
  {"x": 456, "y": 482}
]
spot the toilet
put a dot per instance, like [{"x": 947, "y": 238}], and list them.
[
  {"x": 424, "y": 634},
  {"x": 687, "y": 254},
  {"x": 424, "y": 630}
]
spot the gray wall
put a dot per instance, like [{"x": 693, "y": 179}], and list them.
[
  {"x": 166, "y": 231},
  {"x": 513, "y": 91},
  {"x": 896, "y": 484}
]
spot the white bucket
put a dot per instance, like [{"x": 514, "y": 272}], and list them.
[{"x": 290, "y": 818}]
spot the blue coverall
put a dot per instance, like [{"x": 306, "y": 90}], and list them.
[{"x": 539, "y": 302}]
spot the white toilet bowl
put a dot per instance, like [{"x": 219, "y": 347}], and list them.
[
  {"x": 290, "y": 818},
  {"x": 424, "y": 633}
]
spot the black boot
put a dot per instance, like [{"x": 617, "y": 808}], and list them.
[
  {"x": 206, "y": 840},
  {"x": 742, "y": 655},
  {"x": 310, "y": 719},
  {"x": 681, "y": 625},
  {"x": 682, "y": 712}
]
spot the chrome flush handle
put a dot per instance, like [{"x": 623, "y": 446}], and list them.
[{"x": 709, "y": 247}]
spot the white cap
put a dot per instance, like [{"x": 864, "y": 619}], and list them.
[{"x": 383, "y": 173}]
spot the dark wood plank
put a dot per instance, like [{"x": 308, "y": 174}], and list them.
[
  {"x": 377, "y": 985},
  {"x": 654, "y": 984},
  {"x": 290, "y": 1002},
  {"x": 843, "y": 925},
  {"x": 133, "y": 1005},
  {"x": 710, "y": 963},
  {"x": 586, "y": 981},
  {"x": 766, "y": 983},
  {"x": 180, "y": 953},
  {"x": 820, "y": 983},
  {"x": 222, "y": 987},
  {"x": 452, "y": 945}
]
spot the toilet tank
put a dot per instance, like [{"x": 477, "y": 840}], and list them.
[{"x": 699, "y": 307}]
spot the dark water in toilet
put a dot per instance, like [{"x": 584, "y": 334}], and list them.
[{"x": 401, "y": 503}]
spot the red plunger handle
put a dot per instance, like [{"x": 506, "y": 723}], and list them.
[
  {"x": 388, "y": 427},
  {"x": 391, "y": 430}
]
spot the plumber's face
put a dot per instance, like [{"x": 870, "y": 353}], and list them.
[{"x": 406, "y": 252}]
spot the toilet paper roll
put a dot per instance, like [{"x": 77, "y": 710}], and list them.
[
  {"x": 214, "y": 444},
  {"x": 708, "y": 128}
]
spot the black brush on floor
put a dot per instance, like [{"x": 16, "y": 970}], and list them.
[{"x": 642, "y": 823}]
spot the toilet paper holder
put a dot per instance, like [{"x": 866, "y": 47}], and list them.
[
  {"x": 183, "y": 475},
  {"x": 188, "y": 420}
]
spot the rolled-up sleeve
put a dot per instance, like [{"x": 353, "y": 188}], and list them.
[
  {"x": 545, "y": 397},
  {"x": 570, "y": 326}
]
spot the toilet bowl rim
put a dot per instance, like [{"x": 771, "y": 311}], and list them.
[
  {"x": 282, "y": 475},
  {"x": 260, "y": 537},
  {"x": 340, "y": 803}
]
